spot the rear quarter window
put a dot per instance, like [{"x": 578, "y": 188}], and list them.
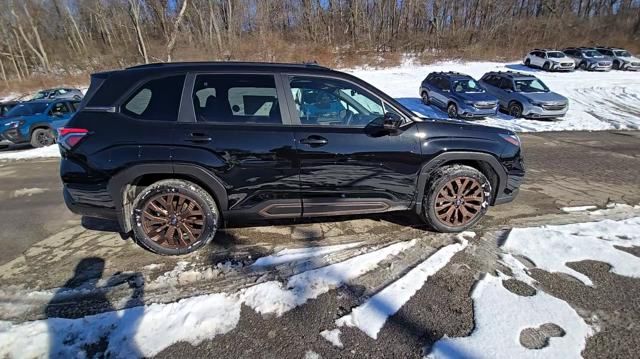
[{"x": 156, "y": 100}]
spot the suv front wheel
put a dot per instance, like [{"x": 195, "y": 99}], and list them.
[
  {"x": 456, "y": 199},
  {"x": 452, "y": 110},
  {"x": 173, "y": 217}
]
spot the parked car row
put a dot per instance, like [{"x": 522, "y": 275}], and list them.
[
  {"x": 37, "y": 120},
  {"x": 598, "y": 58},
  {"x": 521, "y": 95}
]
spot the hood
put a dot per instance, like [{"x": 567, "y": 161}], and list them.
[
  {"x": 545, "y": 97},
  {"x": 459, "y": 128},
  {"x": 476, "y": 97},
  {"x": 630, "y": 59}
]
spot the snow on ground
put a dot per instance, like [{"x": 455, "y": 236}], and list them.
[
  {"x": 333, "y": 336},
  {"x": 296, "y": 254},
  {"x": 147, "y": 330},
  {"x": 552, "y": 247},
  {"x": 371, "y": 316},
  {"x": 500, "y": 316},
  {"x": 42, "y": 152},
  {"x": 597, "y": 101},
  {"x": 578, "y": 209}
]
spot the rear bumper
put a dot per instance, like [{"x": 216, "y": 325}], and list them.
[{"x": 88, "y": 209}]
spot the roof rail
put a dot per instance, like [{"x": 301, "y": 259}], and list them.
[{"x": 248, "y": 63}]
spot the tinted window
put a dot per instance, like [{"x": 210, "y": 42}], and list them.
[
  {"x": 74, "y": 106},
  {"x": 236, "y": 99},
  {"x": 323, "y": 101},
  {"x": 26, "y": 109},
  {"x": 467, "y": 86},
  {"x": 530, "y": 85},
  {"x": 506, "y": 84},
  {"x": 157, "y": 100},
  {"x": 59, "y": 108},
  {"x": 555, "y": 54},
  {"x": 443, "y": 84}
]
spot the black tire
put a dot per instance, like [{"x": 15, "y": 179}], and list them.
[
  {"x": 41, "y": 137},
  {"x": 441, "y": 178},
  {"x": 527, "y": 63},
  {"x": 515, "y": 110},
  {"x": 616, "y": 65},
  {"x": 425, "y": 98},
  {"x": 583, "y": 66},
  {"x": 545, "y": 66},
  {"x": 452, "y": 110},
  {"x": 172, "y": 187}
]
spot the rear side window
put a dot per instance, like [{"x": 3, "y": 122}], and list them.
[
  {"x": 236, "y": 99},
  {"x": 156, "y": 100}
]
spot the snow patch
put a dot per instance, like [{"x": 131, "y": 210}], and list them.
[
  {"x": 27, "y": 192},
  {"x": 578, "y": 209},
  {"x": 552, "y": 247},
  {"x": 500, "y": 316},
  {"x": 42, "y": 152},
  {"x": 371, "y": 316},
  {"x": 296, "y": 254},
  {"x": 333, "y": 336},
  {"x": 273, "y": 297},
  {"x": 147, "y": 330}
]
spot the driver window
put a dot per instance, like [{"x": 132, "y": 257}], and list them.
[
  {"x": 60, "y": 108},
  {"x": 332, "y": 102}
]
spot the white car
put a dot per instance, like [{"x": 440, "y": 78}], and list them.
[{"x": 549, "y": 60}]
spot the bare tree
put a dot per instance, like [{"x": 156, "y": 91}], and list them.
[{"x": 174, "y": 33}]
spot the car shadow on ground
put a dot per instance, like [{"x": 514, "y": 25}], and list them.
[
  {"x": 522, "y": 68},
  {"x": 67, "y": 303}
]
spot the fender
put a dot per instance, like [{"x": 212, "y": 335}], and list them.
[
  {"x": 41, "y": 124},
  {"x": 117, "y": 184},
  {"x": 438, "y": 161}
]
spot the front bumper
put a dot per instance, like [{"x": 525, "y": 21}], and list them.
[
  {"x": 594, "y": 66},
  {"x": 562, "y": 67},
  {"x": 630, "y": 67},
  {"x": 12, "y": 136},
  {"x": 532, "y": 111},
  {"x": 470, "y": 111}
]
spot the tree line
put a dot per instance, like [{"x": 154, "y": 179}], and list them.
[{"x": 66, "y": 37}]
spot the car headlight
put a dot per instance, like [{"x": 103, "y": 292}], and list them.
[
  {"x": 13, "y": 124},
  {"x": 469, "y": 102},
  {"x": 535, "y": 103}
]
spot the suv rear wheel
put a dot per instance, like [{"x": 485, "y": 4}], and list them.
[
  {"x": 41, "y": 137},
  {"x": 173, "y": 217},
  {"x": 456, "y": 199}
]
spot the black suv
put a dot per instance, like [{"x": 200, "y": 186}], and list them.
[{"x": 170, "y": 150}]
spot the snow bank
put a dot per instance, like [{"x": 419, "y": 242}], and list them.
[
  {"x": 42, "y": 152},
  {"x": 597, "y": 101},
  {"x": 552, "y": 247}
]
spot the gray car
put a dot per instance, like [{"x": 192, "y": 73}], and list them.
[
  {"x": 60, "y": 93},
  {"x": 622, "y": 59},
  {"x": 524, "y": 95},
  {"x": 589, "y": 59}
]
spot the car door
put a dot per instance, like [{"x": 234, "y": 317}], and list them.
[
  {"x": 60, "y": 111},
  {"x": 436, "y": 91},
  {"x": 506, "y": 87},
  {"x": 346, "y": 166},
  {"x": 232, "y": 125},
  {"x": 443, "y": 91}
]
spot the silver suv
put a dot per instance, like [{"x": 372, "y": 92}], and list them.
[
  {"x": 589, "y": 59},
  {"x": 549, "y": 60},
  {"x": 524, "y": 95},
  {"x": 622, "y": 59}
]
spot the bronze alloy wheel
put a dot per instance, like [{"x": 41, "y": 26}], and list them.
[
  {"x": 173, "y": 220},
  {"x": 459, "y": 201}
]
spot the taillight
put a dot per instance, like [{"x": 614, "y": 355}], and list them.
[{"x": 70, "y": 137}]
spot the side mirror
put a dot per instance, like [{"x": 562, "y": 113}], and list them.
[{"x": 391, "y": 121}]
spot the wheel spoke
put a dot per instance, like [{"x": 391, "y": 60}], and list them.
[{"x": 459, "y": 201}]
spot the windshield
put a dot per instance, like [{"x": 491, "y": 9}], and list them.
[
  {"x": 467, "y": 86},
  {"x": 26, "y": 109},
  {"x": 591, "y": 53},
  {"x": 555, "y": 55},
  {"x": 40, "y": 95},
  {"x": 530, "y": 85},
  {"x": 622, "y": 53}
]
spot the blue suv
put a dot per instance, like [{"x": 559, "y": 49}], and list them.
[
  {"x": 459, "y": 94},
  {"x": 36, "y": 122}
]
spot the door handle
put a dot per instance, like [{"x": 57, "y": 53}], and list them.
[
  {"x": 314, "y": 141},
  {"x": 198, "y": 137}
]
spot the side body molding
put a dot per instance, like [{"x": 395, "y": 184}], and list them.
[{"x": 426, "y": 171}]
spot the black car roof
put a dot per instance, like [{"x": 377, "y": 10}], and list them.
[
  {"x": 452, "y": 74},
  {"x": 509, "y": 74}
]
